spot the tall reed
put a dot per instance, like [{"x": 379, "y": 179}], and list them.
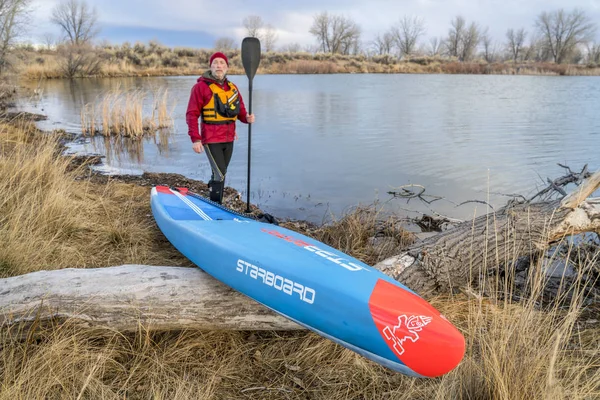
[
  {"x": 123, "y": 113},
  {"x": 163, "y": 112}
]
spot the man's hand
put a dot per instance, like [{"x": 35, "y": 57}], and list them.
[
  {"x": 250, "y": 118},
  {"x": 198, "y": 148}
]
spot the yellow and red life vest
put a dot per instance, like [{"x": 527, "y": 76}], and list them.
[{"x": 223, "y": 107}]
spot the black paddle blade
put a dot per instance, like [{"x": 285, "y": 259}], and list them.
[{"x": 250, "y": 55}]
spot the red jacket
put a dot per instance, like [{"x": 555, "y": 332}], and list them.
[{"x": 200, "y": 96}]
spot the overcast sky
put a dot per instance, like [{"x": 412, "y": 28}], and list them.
[{"x": 197, "y": 23}]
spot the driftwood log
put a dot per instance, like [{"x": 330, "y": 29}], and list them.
[
  {"x": 452, "y": 258},
  {"x": 173, "y": 298},
  {"x": 125, "y": 297}
]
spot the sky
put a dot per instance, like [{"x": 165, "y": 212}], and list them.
[{"x": 198, "y": 23}]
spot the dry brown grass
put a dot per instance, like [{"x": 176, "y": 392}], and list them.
[
  {"x": 50, "y": 218},
  {"x": 157, "y": 60},
  {"x": 48, "y": 70},
  {"x": 49, "y": 221},
  {"x": 513, "y": 352},
  {"x": 365, "y": 233},
  {"x": 307, "y": 67}
]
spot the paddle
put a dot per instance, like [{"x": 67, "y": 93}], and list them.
[{"x": 250, "y": 59}]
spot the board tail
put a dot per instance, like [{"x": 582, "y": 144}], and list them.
[{"x": 418, "y": 335}]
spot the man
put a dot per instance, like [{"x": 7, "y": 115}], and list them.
[{"x": 220, "y": 105}]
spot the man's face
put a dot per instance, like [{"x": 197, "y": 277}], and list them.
[{"x": 219, "y": 68}]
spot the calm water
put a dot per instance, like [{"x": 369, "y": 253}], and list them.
[{"x": 325, "y": 143}]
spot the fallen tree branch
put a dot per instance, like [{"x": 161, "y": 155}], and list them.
[
  {"x": 406, "y": 192},
  {"x": 123, "y": 297},
  {"x": 558, "y": 184},
  {"x": 453, "y": 258}
]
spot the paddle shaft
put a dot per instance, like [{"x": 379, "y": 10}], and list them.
[
  {"x": 250, "y": 60},
  {"x": 249, "y": 146}
]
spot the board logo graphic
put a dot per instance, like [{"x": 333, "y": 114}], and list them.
[
  {"x": 328, "y": 255},
  {"x": 407, "y": 329}
]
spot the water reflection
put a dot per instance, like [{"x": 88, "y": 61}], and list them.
[
  {"x": 120, "y": 150},
  {"x": 161, "y": 140},
  {"x": 115, "y": 148}
]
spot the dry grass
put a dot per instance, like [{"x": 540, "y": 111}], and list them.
[
  {"x": 50, "y": 219},
  {"x": 43, "y": 66},
  {"x": 157, "y": 60},
  {"x": 513, "y": 352},
  {"x": 521, "y": 350},
  {"x": 308, "y": 67},
  {"x": 121, "y": 113},
  {"x": 366, "y": 234}
]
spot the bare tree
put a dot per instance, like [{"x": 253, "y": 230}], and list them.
[
  {"x": 224, "y": 43},
  {"x": 49, "y": 40},
  {"x": 266, "y": 33},
  {"x": 469, "y": 42},
  {"x": 534, "y": 50},
  {"x": 577, "y": 55},
  {"x": 406, "y": 34},
  {"x": 335, "y": 33},
  {"x": 435, "y": 46},
  {"x": 593, "y": 53},
  {"x": 292, "y": 48},
  {"x": 383, "y": 44},
  {"x": 253, "y": 25},
  {"x": 320, "y": 29},
  {"x": 269, "y": 37},
  {"x": 311, "y": 48},
  {"x": 78, "y": 60},
  {"x": 462, "y": 42},
  {"x": 562, "y": 32},
  {"x": 455, "y": 36},
  {"x": 516, "y": 42},
  {"x": 12, "y": 14},
  {"x": 353, "y": 46},
  {"x": 78, "y": 23},
  {"x": 77, "y": 20},
  {"x": 489, "y": 47}
]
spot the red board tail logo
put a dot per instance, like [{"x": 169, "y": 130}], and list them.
[
  {"x": 396, "y": 335},
  {"x": 415, "y": 332}
]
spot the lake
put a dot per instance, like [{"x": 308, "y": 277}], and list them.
[{"x": 323, "y": 144}]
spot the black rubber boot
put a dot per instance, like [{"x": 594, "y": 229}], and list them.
[{"x": 216, "y": 191}]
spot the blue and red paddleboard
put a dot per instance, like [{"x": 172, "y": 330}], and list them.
[{"x": 315, "y": 285}]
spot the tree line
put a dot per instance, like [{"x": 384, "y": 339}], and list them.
[{"x": 559, "y": 36}]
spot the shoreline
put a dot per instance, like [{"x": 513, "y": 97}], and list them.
[{"x": 139, "y": 62}]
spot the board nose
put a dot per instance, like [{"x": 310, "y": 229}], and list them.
[{"x": 416, "y": 333}]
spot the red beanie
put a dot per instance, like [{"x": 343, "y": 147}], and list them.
[{"x": 218, "y": 54}]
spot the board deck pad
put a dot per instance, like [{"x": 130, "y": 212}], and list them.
[{"x": 315, "y": 285}]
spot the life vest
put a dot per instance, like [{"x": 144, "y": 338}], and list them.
[{"x": 223, "y": 107}]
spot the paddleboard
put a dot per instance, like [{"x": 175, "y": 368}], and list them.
[{"x": 315, "y": 285}]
